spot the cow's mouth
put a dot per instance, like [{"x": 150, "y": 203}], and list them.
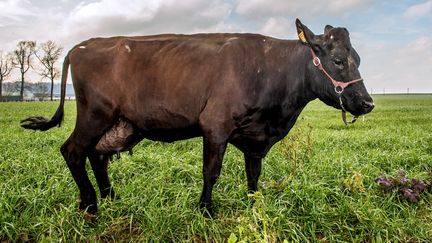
[{"x": 364, "y": 108}]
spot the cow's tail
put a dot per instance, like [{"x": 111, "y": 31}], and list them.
[{"x": 42, "y": 123}]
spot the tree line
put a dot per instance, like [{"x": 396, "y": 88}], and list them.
[{"x": 23, "y": 58}]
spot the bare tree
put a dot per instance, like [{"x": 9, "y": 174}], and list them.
[
  {"x": 23, "y": 60},
  {"x": 50, "y": 54},
  {"x": 10, "y": 88},
  {"x": 5, "y": 69},
  {"x": 40, "y": 91}
]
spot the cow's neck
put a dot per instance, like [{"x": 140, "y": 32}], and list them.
[
  {"x": 291, "y": 90},
  {"x": 283, "y": 93},
  {"x": 293, "y": 87}
]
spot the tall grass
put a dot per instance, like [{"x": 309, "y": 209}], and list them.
[{"x": 317, "y": 184}]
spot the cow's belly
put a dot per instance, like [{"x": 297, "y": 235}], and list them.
[
  {"x": 255, "y": 146},
  {"x": 171, "y": 135},
  {"x": 124, "y": 135},
  {"x": 167, "y": 127}
]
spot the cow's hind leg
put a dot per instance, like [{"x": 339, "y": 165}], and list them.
[
  {"x": 75, "y": 156},
  {"x": 80, "y": 145},
  {"x": 99, "y": 164}
]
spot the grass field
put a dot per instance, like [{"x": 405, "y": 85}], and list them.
[{"x": 318, "y": 184}]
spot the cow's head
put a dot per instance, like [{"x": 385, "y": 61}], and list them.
[{"x": 333, "y": 69}]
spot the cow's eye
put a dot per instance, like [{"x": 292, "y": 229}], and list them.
[{"x": 338, "y": 63}]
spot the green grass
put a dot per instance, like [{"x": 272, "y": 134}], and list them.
[{"x": 317, "y": 184}]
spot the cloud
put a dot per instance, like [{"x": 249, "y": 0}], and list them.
[
  {"x": 276, "y": 17},
  {"x": 265, "y": 8},
  {"x": 419, "y": 10},
  {"x": 421, "y": 46},
  {"x": 278, "y": 27},
  {"x": 111, "y": 17},
  {"x": 396, "y": 67},
  {"x": 417, "y": 56},
  {"x": 21, "y": 20},
  {"x": 15, "y": 10}
]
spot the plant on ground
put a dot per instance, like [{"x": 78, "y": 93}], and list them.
[{"x": 408, "y": 188}]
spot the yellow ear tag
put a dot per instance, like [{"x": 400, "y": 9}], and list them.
[{"x": 302, "y": 37}]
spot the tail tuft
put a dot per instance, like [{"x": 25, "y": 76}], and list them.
[
  {"x": 42, "y": 123},
  {"x": 37, "y": 123}
]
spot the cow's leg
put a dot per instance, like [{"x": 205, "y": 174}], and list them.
[
  {"x": 90, "y": 126},
  {"x": 213, "y": 152},
  {"x": 99, "y": 164},
  {"x": 253, "y": 171},
  {"x": 74, "y": 154},
  {"x": 216, "y": 129}
]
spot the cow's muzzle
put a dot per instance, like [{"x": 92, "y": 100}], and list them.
[{"x": 367, "y": 106}]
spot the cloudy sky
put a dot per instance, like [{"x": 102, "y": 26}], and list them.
[{"x": 394, "y": 38}]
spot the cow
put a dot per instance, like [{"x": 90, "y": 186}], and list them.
[{"x": 244, "y": 89}]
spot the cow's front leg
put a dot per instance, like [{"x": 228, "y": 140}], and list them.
[
  {"x": 213, "y": 152},
  {"x": 253, "y": 171}
]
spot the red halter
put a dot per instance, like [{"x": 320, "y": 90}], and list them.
[{"x": 338, "y": 85}]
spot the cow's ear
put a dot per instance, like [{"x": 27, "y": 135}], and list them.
[
  {"x": 307, "y": 37},
  {"x": 327, "y": 29}
]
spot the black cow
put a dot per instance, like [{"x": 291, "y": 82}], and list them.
[{"x": 243, "y": 89}]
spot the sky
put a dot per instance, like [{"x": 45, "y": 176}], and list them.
[{"x": 393, "y": 38}]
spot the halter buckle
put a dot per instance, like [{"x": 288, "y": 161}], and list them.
[
  {"x": 339, "y": 89},
  {"x": 316, "y": 61}
]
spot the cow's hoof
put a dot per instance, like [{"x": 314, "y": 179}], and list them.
[
  {"x": 109, "y": 194},
  {"x": 90, "y": 218},
  {"x": 89, "y": 208},
  {"x": 251, "y": 200},
  {"x": 207, "y": 212},
  {"x": 207, "y": 209}
]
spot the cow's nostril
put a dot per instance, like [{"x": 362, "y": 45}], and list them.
[{"x": 368, "y": 105}]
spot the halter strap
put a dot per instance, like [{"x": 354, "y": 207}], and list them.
[{"x": 339, "y": 86}]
